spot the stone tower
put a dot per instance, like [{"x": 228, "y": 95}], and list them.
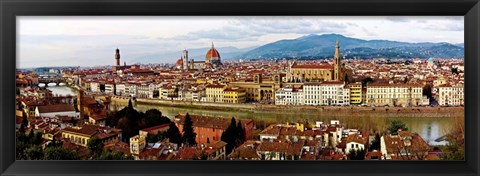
[
  {"x": 336, "y": 64},
  {"x": 117, "y": 57},
  {"x": 185, "y": 59},
  {"x": 79, "y": 102}
]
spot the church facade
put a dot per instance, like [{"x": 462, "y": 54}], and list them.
[{"x": 318, "y": 73}]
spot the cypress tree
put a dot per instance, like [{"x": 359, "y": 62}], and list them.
[
  {"x": 240, "y": 138},
  {"x": 188, "y": 133},
  {"x": 173, "y": 134}
]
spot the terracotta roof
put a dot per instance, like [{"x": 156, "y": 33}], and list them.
[
  {"x": 162, "y": 126},
  {"x": 313, "y": 66},
  {"x": 215, "y": 86},
  {"x": 210, "y": 122},
  {"x": 212, "y": 53},
  {"x": 93, "y": 131},
  {"x": 56, "y": 108},
  {"x": 393, "y": 85}
]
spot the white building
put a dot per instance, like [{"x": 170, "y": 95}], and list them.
[
  {"x": 120, "y": 89},
  {"x": 312, "y": 94},
  {"x": 331, "y": 93},
  {"x": 95, "y": 86},
  {"x": 448, "y": 95},
  {"x": 109, "y": 87},
  {"x": 57, "y": 109},
  {"x": 384, "y": 94},
  {"x": 131, "y": 89},
  {"x": 289, "y": 96}
]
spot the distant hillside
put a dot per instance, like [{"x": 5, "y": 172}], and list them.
[{"x": 324, "y": 46}]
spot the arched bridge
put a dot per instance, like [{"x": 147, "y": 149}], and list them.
[{"x": 48, "y": 80}]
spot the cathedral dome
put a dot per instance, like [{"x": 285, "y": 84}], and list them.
[
  {"x": 179, "y": 62},
  {"x": 212, "y": 54}
]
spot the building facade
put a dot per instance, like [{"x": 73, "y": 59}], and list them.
[{"x": 384, "y": 94}]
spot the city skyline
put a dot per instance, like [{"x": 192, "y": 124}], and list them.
[{"x": 90, "y": 41}]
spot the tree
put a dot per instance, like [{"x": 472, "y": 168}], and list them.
[
  {"x": 455, "y": 70},
  {"x": 173, "y": 134},
  {"x": 114, "y": 155},
  {"x": 346, "y": 79},
  {"x": 22, "y": 129},
  {"x": 155, "y": 138},
  {"x": 33, "y": 152},
  {"x": 24, "y": 119},
  {"x": 240, "y": 134},
  {"x": 95, "y": 145},
  {"x": 188, "y": 133},
  {"x": 376, "y": 143},
  {"x": 232, "y": 136},
  {"x": 366, "y": 80},
  {"x": 455, "y": 149},
  {"x": 59, "y": 153},
  {"x": 427, "y": 90},
  {"x": 395, "y": 125},
  {"x": 356, "y": 154},
  {"x": 153, "y": 117}
]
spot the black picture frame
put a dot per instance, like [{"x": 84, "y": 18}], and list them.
[{"x": 9, "y": 9}]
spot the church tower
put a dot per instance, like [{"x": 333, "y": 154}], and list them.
[
  {"x": 185, "y": 59},
  {"x": 117, "y": 57},
  {"x": 336, "y": 64},
  {"x": 79, "y": 102}
]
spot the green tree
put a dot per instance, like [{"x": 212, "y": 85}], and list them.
[
  {"x": 173, "y": 134},
  {"x": 232, "y": 136},
  {"x": 33, "y": 152},
  {"x": 155, "y": 138},
  {"x": 356, "y": 154},
  {"x": 454, "y": 70},
  {"x": 376, "y": 143},
  {"x": 455, "y": 149},
  {"x": 366, "y": 80},
  {"x": 188, "y": 134},
  {"x": 395, "y": 125},
  {"x": 95, "y": 145},
  {"x": 114, "y": 155},
  {"x": 153, "y": 117},
  {"x": 59, "y": 153},
  {"x": 240, "y": 138},
  {"x": 24, "y": 119}
]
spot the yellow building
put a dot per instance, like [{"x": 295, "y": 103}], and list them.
[
  {"x": 260, "y": 90},
  {"x": 310, "y": 73},
  {"x": 234, "y": 95},
  {"x": 214, "y": 92},
  {"x": 137, "y": 144},
  {"x": 381, "y": 94},
  {"x": 356, "y": 93},
  {"x": 81, "y": 135}
]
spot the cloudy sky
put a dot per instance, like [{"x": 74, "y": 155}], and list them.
[{"x": 91, "y": 41}]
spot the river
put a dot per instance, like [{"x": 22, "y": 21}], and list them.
[
  {"x": 61, "y": 91},
  {"x": 429, "y": 128}
]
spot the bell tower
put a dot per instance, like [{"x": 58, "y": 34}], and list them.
[
  {"x": 117, "y": 57},
  {"x": 336, "y": 63}
]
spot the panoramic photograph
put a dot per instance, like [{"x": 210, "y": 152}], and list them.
[{"x": 240, "y": 88}]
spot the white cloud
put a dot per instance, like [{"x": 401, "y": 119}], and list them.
[{"x": 87, "y": 40}]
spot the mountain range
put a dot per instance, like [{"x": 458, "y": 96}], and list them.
[{"x": 323, "y": 46}]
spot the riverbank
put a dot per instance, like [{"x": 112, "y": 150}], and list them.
[{"x": 336, "y": 111}]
